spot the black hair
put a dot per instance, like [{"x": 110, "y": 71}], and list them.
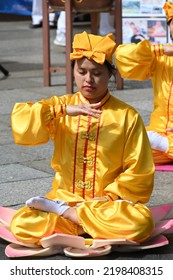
[
  {"x": 111, "y": 68},
  {"x": 169, "y": 21}
]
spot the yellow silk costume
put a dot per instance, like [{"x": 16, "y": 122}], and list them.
[
  {"x": 140, "y": 62},
  {"x": 106, "y": 157}
]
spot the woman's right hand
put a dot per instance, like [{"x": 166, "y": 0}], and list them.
[{"x": 168, "y": 50}]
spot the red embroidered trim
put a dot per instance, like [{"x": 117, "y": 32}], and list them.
[
  {"x": 155, "y": 52},
  {"x": 75, "y": 151},
  {"x": 94, "y": 177},
  {"x": 54, "y": 112},
  {"x": 168, "y": 106},
  {"x": 62, "y": 109},
  {"x": 110, "y": 197}
]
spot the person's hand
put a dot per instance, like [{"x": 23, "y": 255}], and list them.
[
  {"x": 84, "y": 109},
  {"x": 170, "y": 129},
  {"x": 168, "y": 50}
]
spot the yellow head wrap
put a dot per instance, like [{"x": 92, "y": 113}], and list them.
[
  {"x": 168, "y": 7},
  {"x": 93, "y": 47}
]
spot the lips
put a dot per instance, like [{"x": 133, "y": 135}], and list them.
[{"x": 88, "y": 88}]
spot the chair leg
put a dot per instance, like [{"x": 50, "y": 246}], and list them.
[
  {"x": 69, "y": 30},
  {"x": 4, "y": 71},
  {"x": 118, "y": 26},
  {"x": 94, "y": 22},
  {"x": 46, "y": 44}
]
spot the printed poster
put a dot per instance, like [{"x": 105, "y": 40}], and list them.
[
  {"x": 143, "y": 8},
  {"x": 152, "y": 29}
]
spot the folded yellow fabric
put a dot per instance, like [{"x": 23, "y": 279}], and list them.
[{"x": 95, "y": 47}]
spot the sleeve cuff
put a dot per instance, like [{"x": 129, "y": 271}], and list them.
[
  {"x": 58, "y": 111},
  {"x": 157, "y": 49}
]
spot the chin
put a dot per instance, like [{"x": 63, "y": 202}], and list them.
[{"x": 87, "y": 95}]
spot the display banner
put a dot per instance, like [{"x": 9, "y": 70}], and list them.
[
  {"x": 144, "y": 19},
  {"x": 143, "y": 8},
  {"x": 20, "y": 7}
]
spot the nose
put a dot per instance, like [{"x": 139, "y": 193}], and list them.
[{"x": 88, "y": 77}]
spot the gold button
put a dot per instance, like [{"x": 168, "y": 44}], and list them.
[
  {"x": 89, "y": 136},
  {"x": 83, "y": 185},
  {"x": 88, "y": 160}
]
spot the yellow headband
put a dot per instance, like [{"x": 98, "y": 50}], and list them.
[
  {"x": 168, "y": 7},
  {"x": 93, "y": 47}
]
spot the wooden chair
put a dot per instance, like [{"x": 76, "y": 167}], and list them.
[{"x": 68, "y": 7}]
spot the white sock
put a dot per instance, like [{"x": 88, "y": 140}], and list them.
[
  {"x": 47, "y": 205},
  {"x": 157, "y": 141}
]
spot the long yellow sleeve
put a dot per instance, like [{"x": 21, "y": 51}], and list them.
[
  {"x": 135, "y": 61},
  {"x": 33, "y": 123}
]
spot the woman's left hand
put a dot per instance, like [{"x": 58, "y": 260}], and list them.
[{"x": 84, "y": 109}]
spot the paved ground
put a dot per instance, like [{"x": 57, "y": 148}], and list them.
[{"x": 25, "y": 172}]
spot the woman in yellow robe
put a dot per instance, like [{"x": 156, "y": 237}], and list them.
[
  {"x": 142, "y": 61},
  {"x": 102, "y": 156}
]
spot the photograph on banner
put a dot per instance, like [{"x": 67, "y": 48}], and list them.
[
  {"x": 143, "y": 7},
  {"x": 157, "y": 30},
  {"x": 135, "y": 30}
]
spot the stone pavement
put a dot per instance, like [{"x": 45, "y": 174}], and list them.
[{"x": 25, "y": 171}]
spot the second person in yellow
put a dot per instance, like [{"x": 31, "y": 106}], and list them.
[{"x": 142, "y": 61}]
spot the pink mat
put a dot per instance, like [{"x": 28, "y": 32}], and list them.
[{"x": 164, "y": 167}]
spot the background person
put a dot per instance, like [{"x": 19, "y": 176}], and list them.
[
  {"x": 145, "y": 60},
  {"x": 37, "y": 15},
  {"x": 106, "y": 25}
]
